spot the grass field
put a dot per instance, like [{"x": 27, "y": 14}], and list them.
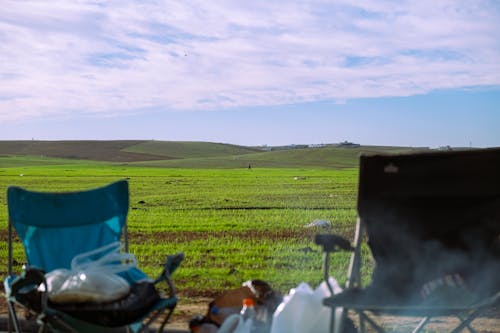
[
  {"x": 233, "y": 225},
  {"x": 232, "y": 222}
]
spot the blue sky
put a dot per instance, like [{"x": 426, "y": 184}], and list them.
[{"x": 412, "y": 73}]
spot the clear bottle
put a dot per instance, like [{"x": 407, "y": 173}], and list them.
[
  {"x": 248, "y": 309},
  {"x": 242, "y": 322},
  {"x": 251, "y": 322}
]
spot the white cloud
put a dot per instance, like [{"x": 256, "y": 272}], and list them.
[{"x": 59, "y": 57}]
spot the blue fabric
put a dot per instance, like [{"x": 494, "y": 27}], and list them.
[
  {"x": 54, "y": 227},
  {"x": 68, "y": 209},
  {"x": 51, "y": 248}
]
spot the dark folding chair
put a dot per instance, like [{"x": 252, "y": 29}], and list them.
[
  {"x": 55, "y": 227},
  {"x": 432, "y": 221}
]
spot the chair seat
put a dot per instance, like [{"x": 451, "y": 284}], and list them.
[
  {"x": 380, "y": 302},
  {"x": 142, "y": 297}
]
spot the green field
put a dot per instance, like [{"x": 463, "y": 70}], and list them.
[
  {"x": 175, "y": 154},
  {"x": 233, "y": 225},
  {"x": 232, "y": 222}
]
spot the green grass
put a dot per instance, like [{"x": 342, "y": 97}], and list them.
[
  {"x": 233, "y": 224},
  {"x": 187, "y": 149},
  {"x": 310, "y": 158}
]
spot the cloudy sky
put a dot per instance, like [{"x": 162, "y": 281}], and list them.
[{"x": 417, "y": 73}]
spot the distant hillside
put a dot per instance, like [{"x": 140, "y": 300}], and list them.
[
  {"x": 110, "y": 151},
  {"x": 120, "y": 151},
  {"x": 188, "y": 149},
  {"x": 180, "y": 154},
  {"x": 328, "y": 157}
]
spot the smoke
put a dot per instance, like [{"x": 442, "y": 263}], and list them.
[{"x": 444, "y": 251}]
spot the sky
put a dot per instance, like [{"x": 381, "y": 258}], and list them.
[{"x": 403, "y": 73}]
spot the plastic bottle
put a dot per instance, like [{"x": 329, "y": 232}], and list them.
[
  {"x": 251, "y": 320},
  {"x": 248, "y": 309},
  {"x": 244, "y": 322}
]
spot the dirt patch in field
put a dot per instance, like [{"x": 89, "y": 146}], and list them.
[
  {"x": 138, "y": 237},
  {"x": 188, "y": 236},
  {"x": 184, "y": 236}
]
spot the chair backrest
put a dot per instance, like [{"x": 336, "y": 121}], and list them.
[
  {"x": 432, "y": 214},
  {"x": 54, "y": 227}
]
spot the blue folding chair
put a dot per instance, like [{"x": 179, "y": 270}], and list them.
[{"x": 54, "y": 228}]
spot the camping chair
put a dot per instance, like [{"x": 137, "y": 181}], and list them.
[
  {"x": 432, "y": 220},
  {"x": 55, "y": 227}
]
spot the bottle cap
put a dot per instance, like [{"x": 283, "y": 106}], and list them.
[{"x": 248, "y": 302}]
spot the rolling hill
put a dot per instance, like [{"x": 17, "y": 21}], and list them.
[
  {"x": 120, "y": 150},
  {"x": 183, "y": 154},
  {"x": 110, "y": 151}
]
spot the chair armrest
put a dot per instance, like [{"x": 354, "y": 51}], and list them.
[
  {"x": 24, "y": 288},
  {"x": 171, "y": 264},
  {"x": 30, "y": 278},
  {"x": 332, "y": 242}
]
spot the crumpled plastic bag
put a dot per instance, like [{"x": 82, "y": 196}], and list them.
[
  {"x": 302, "y": 310},
  {"x": 90, "y": 279},
  {"x": 66, "y": 286}
]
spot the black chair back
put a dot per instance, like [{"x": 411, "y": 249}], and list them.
[{"x": 430, "y": 215}]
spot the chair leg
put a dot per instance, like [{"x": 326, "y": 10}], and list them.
[
  {"x": 421, "y": 325},
  {"x": 165, "y": 320},
  {"x": 144, "y": 326},
  {"x": 337, "y": 320},
  {"x": 466, "y": 322},
  {"x": 12, "y": 321},
  {"x": 331, "y": 328},
  {"x": 372, "y": 323},
  {"x": 471, "y": 330},
  {"x": 362, "y": 326}
]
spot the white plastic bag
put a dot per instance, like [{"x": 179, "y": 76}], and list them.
[
  {"x": 302, "y": 310},
  {"x": 92, "y": 280}
]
